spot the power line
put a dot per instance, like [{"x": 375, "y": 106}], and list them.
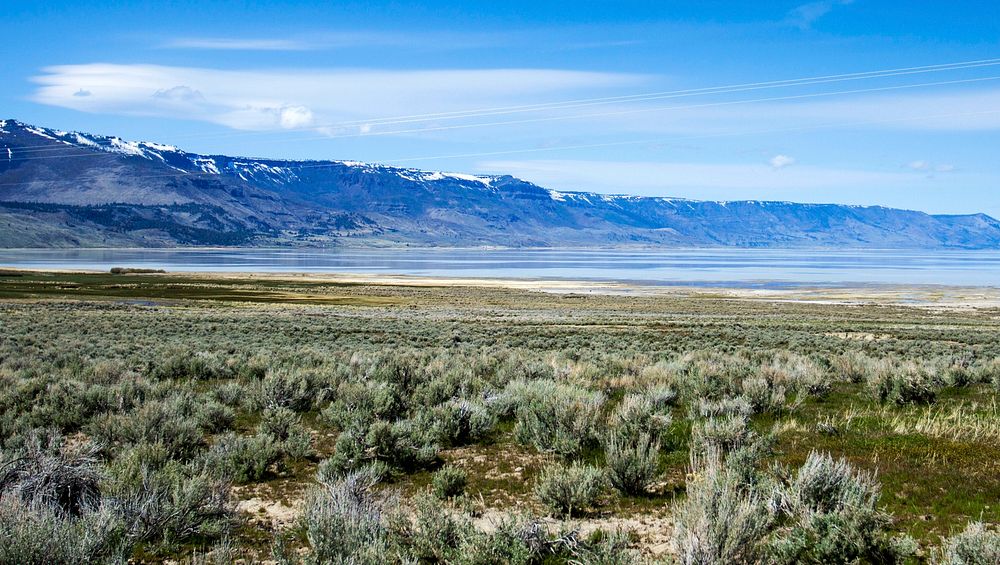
[
  {"x": 579, "y": 116},
  {"x": 668, "y": 108},
  {"x": 830, "y": 125},
  {"x": 679, "y": 93},
  {"x": 569, "y": 104}
]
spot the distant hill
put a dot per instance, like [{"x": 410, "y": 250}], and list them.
[{"x": 68, "y": 189}]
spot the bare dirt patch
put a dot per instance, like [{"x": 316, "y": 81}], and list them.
[{"x": 276, "y": 504}]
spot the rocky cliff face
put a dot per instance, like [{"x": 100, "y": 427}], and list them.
[{"x": 73, "y": 189}]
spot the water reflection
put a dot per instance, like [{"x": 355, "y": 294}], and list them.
[{"x": 739, "y": 267}]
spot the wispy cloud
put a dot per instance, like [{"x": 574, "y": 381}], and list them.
[
  {"x": 687, "y": 179},
  {"x": 258, "y": 100},
  {"x": 968, "y": 109},
  {"x": 607, "y": 44},
  {"x": 329, "y": 40},
  {"x": 270, "y": 99},
  {"x": 236, "y": 44},
  {"x": 737, "y": 181},
  {"x": 930, "y": 169},
  {"x": 805, "y": 15}
]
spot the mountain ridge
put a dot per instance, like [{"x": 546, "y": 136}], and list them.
[{"x": 75, "y": 189}]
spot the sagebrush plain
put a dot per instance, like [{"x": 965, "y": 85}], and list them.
[{"x": 196, "y": 418}]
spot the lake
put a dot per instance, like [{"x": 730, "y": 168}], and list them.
[{"x": 725, "y": 267}]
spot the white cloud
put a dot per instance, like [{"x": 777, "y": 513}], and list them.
[
  {"x": 257, "y": 99},
  {"x": 919, "y": 165},
  {"x": 179, "y": 93},
  {"x": 781, "y": 161},
  {"x": 269, "y": 99},
  {"x": 944, "y": 168},
  {"x": 805, "y": 15},
  {"x": 295, "y": 117}
]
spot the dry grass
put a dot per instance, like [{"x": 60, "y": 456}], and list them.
[{"x": 965, "y": 421}]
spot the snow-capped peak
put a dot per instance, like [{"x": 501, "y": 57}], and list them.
[{"x": 417, "y": 175}]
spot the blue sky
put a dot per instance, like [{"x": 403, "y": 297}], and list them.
[{"x": 571, "y": 95}]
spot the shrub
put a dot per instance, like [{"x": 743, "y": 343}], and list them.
[
  {"x": 606, "y": 548},
  {"x": 524, "y": 540},
  {"x": 726, "y": 407},
  {"x": 977, "y": 545},
  {"x": 853, "y": 366},
  {"x": 214, "y": 417},
  {"x": 449, "y": 482},
  {"x": 186, "y": 364},
  {"x": 662, "y": 397},
  {"x": 565, "y": 489},
  {"x": 285, "y": 428},
  {"x": 357, "y": 405},
  {"x": 745, "y": 463},
  {"x": 349, "y": 454},
  {"x": 35, "y": 534},
  {"x": 824, "y": 484},
  {"x": 284, "y": 389},
  {"x": 764, "y": 394},
  {"x": 710, "y": 375},
  {"x": 435, "y": 534},
  {"x": 231, "y": 394},
  {"x": 554, "y": 417},
  {"x": 514, "y": 540},
  {"x": 632, "y": 461},
  {"x": 960, "y": 371},
  {"x": 641, "y": 414},
  {"x": 902, "y": 383},
  {"x": 222, "y": 552},
  {"x": 399, "y": 445},
  {"x": 168, "y": 423},
  {"x": 241, "y": 459},
  {"x": 987, "y": 372},
  {"x": 460, "y": 422},
  {"x": 797, "y": 373},
  {"x": 164, "y": 502},
  {"x": 46, "y": 472},
  {"x": 343, "y": 522},
  {"x": 721, "y": 521},
  {"x": 331, "y": 471},
  {"x": 65, "y": 404},
  {"x": 278, "y": 423},
  {"x": 298, "y": 445},
  {"x": 402, "y": 444},
  {"x": 832, "y": 517},
  {"x": 724, "y": 433}
]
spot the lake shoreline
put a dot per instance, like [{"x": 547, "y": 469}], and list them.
[
  {"x": 944, "y": 297},
  {"x": 769, "y": 270}
]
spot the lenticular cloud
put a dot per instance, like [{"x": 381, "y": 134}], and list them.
[{"x": 277, "y": 99}]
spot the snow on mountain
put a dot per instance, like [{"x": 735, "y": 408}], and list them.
[
  {"x": 118, "y": 192},
  {"x": 248, "y": 169}
]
